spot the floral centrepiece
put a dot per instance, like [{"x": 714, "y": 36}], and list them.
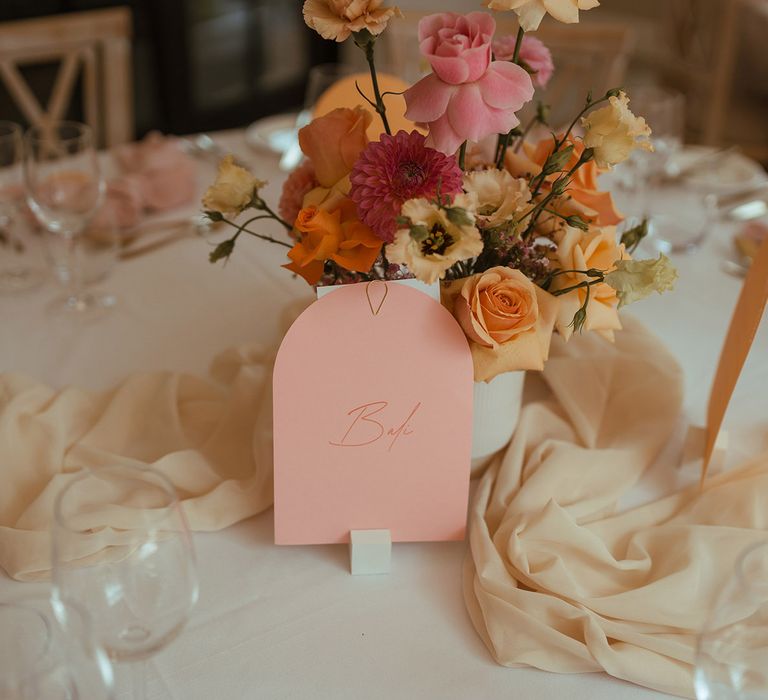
[{"x": 520, "y": 235}]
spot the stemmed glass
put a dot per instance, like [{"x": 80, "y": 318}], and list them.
[
  {"x": 64, "y": 189},
  {"x": 19, "y": 268},
  {"x": 319, "y": 79},
  {"x": 121, "y": 547},
  {"x": 675, "y": 214},
  {"x": 50, "y": 657},
  {"x": 732, "y": 652}
]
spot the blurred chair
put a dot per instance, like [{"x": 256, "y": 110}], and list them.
[
  {"x": 95, "y": 44},
  {"x": 587, "y": 57}
]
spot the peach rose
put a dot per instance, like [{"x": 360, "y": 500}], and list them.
[
  {"x": 233, "y": 189},
  {"x": 582, "y": 250},
  {"x": 337, "y": 19},
  {"x": 507, "y": 319},
  {"x": 334, "y": 141}
]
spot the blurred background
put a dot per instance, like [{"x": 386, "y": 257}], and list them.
[{"x": 204, "y": 65}]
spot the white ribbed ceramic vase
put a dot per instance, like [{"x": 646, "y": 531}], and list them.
[{"x": 496, "y": 410}]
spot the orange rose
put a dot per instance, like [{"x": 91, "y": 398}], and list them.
[
  {"x": 336, "y": 235},
  {"x": 507, "y": 319},
  {"x": 334, "y": 141},
  {"x": 582, "y": 196}
]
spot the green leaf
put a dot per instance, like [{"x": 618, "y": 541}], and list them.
[
  {"x": 614, "y": 92},
  {"x": 222, "y": 251},
  {"x": 419, "y": 232},
  {"x": 214, "y": 215},
  {"x": 458, "y": 216}
]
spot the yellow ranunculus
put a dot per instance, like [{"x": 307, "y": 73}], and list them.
[{"x": 613, "y": 132}]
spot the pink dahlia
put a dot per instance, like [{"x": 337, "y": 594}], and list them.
[
  {"x": 395, "y": 169},
  {"x": 533, "y": 54},
  {"x": 299, "y": 182}
]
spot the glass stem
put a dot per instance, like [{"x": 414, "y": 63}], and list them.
[
  {"x": 74, "y": 286},
  {"x": 139, "y": 680}
]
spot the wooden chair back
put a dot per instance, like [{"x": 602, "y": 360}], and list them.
[{"x": 96, "y": 44}]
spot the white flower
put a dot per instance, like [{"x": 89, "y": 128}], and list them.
[
  {"x": 499, "y": 195},
  {"x": 614, "y": 132},
  {"x": 437, "y": 238},
  {"x": 531, "y": 12},
  {"x": 636, "y": 279}
]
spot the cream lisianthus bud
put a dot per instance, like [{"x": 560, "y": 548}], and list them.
[
  {"x": 613, "y": 132},
  {"x": 233, "y": 189}
]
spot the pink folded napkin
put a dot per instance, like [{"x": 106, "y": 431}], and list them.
[{"x": 157, "y": 176}]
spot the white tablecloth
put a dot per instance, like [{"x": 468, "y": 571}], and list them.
[{"x": 290, "y": 622}]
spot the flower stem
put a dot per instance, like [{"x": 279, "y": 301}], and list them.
[
  {"x": 380, "y": 107},
  {"x": 503, "y": 141},
  {"x": 241, "y": 229},
  {"x": 559, "y": 142},
  {"x": 462, "y": 154},
  {"x": 522, "y": 136},
  {"x": 274, "y": 216},
  {"x": 580, "y": 285},
  {"x": 518, "y": 43}
]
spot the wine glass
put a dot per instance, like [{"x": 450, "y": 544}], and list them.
[
  {"x": 121, "y": 546},
  {"x": 319, "y": 79},
  {"x": 97, "y": 253},
  {"x": 732, "y": 651},
  {"x": 20, "y": 264},
  {"x": 64, "y": 189},
  {"x": 49, "y": 656},
  {"x": 676, "y": 214}
]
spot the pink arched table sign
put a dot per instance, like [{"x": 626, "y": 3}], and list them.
[{"x": 372, "y": 418}]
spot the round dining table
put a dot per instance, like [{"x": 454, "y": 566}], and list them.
[{"x": 290, "y": 622}]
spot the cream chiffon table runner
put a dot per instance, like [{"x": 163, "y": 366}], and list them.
[
  {"x": 555, "y": 578},
  {"x": 603, "y": 593}
]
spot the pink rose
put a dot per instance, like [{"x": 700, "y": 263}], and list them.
[
  {"x": 533, "y": 54},
  {"x": 468, "y": 97}
]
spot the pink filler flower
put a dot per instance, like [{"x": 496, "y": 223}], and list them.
[
  {"x": 468, "y": 96},
  {"x": 533, "y": 54},
  {"x": 395, "y": 169}
]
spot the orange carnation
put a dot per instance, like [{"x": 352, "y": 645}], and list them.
[
  {"x": 336, "y": 235},
  {"x": 582, "y": 198}
]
